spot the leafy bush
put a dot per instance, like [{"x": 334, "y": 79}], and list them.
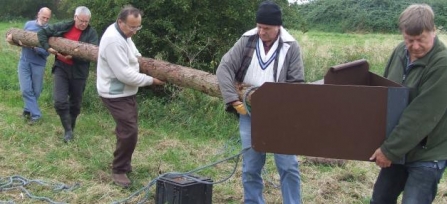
[
  {"x": 190, "y": 33},
  {"x": 363, "y": 15},
  {"x": 27, "y": 9}
]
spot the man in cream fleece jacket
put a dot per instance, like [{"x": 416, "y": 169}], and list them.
[{"x": 117, "y": 83}]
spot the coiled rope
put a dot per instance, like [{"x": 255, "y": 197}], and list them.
[
  {"x": 245, "y": 96},
  {"x": 20, "y": 183}
]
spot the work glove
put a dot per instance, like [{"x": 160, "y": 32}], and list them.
[{"x": 240, "y": 109}]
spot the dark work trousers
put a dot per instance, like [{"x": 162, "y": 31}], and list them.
[
  {"x": 418, "y": 181},
  {"x": 67, "y": 92},
  {"x": 124, "y": 111}
]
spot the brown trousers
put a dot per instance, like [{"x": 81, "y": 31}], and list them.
[{"x": 125, "y": 113}]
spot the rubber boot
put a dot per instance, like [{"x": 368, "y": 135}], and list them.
[
  {"x": 66, "y": 123},
  {"x": 73, "y": 122}
]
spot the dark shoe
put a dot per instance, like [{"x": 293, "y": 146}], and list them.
[
  {"x": 121, "y": 180},
  {"x": 33, "y": 121},
  {"x": 26, "y": 115}
]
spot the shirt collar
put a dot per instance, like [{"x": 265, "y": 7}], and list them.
[
  {"x": 283, "y": 34},
  {"x": 120, "y": 31}
]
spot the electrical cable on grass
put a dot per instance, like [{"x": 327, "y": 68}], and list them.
[
  {"x": 20, "y": 183},
  {"x": 185, "y": 175},
  {"x": 230, "y": 146}
]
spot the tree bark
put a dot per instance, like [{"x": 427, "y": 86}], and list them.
[
  {"x": 76, "y": 49},
  {"x": 176, "y": 74}
]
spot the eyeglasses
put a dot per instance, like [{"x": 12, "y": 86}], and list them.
[
  {"x": 82, "y": 21},
  {"x": 133, "y": 28}
]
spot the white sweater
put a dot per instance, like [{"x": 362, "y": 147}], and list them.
[{"x": 117, "y": 68}]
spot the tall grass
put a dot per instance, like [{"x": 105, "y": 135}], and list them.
[
  {"x": 323, "y": 50},
  {"x": 180, "y": 130}
]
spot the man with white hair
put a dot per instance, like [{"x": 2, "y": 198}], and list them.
[
  {"x": 31, "y": 68},
  {"x": 70, "y": 73}
]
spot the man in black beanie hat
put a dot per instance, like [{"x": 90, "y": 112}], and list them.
[
  {"x": 267, "y": 53},
  {"x": 269, "y": 13}
]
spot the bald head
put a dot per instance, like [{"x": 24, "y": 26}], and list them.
[
  {"x": 45, "y": 9},
  {"x": 43, "y": 16}
]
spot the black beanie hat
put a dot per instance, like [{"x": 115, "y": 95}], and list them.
[{"x": 269, "y": 13}]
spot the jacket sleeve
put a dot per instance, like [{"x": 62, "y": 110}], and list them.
[
  {"x": 40, "y": 51},
  {"x": 93, "y": 37},
  {"x": 118, "y": 60},
  {"x": 295, "y": 71},
  {"x": 45, "y": 33},
  {"x": 226, "y": 71}
]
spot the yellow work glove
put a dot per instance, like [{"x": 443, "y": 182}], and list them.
[{"x": 240, "y": 109}]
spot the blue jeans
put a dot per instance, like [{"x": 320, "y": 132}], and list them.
[
  {"x": 252, "y": 164},
  {"x": 418, "y": 181},
  {"x": 31, "y": 84}
]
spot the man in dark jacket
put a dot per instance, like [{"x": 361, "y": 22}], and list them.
[
  {"x": 70, "y": 74},
  {"x": 419, "y": 63}
]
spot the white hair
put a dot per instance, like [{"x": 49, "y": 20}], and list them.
[
  {"x": 83, "y": 10},
  {"x": 43, "y": 9}
]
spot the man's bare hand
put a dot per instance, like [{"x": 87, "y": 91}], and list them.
[
  {"x": 52, "y": 51},
  {"x": 380, "y": 159},
  {"x": 157, "y": 82},
  {"x": 11, "y": 41},
  {"x": 67, "y": 57}
]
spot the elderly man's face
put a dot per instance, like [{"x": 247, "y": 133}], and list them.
[
  {"x": 131, "y": 25},
  {"x": 418, "y": 46},
  {"x": 268, "y": 33},
  {"x": 81, "y": 21},
  {"x": 43, "y": 17}
]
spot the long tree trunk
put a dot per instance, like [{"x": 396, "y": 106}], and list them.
[{"x": 176, "y": 74}]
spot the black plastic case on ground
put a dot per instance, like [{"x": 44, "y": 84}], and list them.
[{"x": 175, "y": 189}]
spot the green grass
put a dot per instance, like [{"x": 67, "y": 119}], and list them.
[
  {"x": 323, "y": 50},
  {"x": 180, "y": 130}
]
